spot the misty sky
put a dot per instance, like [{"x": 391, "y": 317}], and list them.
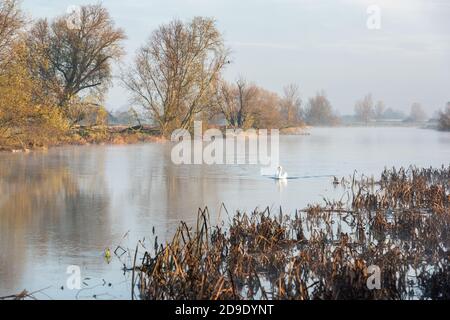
[{"x": 316, "y": 44}]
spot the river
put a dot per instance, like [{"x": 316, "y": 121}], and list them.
[{"x": 64, "y": 206}]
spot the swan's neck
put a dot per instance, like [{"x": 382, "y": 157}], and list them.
[{"x": 280, "y": 172}]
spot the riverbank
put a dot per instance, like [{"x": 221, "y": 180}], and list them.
[
  {"x": 96, "y": 135},
  {"x": 115, "y": 135}
]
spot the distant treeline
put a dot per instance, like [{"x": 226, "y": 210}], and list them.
[
  {"x": 366, "y": 110},
  {"x": 54, "y": 75}
]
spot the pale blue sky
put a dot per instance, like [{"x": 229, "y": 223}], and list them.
[{"x": 316, "y": 44}]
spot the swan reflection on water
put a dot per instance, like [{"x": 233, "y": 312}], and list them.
[{"x": 281, "y": 183}]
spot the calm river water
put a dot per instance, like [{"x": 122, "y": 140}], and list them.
[{"x": 64, "y": 206}]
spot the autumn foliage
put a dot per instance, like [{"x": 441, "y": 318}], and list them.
[{"x": 52, "y": 77}]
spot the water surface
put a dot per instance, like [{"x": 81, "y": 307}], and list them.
[{"x": 65, "y": 206}]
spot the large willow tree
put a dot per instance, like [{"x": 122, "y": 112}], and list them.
[{"x": 175, "y": 73}]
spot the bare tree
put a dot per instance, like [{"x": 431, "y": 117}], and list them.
[
  {"x": 11, "y": 20},
  {"x": 319, "y": 111},
  {"x": 236, "y": 102},
  {"x": 75, "y": 59},
  {"x": 176, "y": 73},
  {"x": 245, "y": 105},
  {"x": 417, "y": 114},
  {"x": 364, "y": 109},
  {"x": 291, "y": 105}
]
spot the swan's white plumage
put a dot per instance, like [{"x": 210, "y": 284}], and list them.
[{"x": 280, "y": 173}]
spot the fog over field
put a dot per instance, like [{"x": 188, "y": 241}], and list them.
[{"x": 319, "y": 45}]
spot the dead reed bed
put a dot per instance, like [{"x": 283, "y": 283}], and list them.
[{"x": 399, "y": 223}]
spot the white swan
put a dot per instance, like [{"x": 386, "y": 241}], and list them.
[{"x": 281, "y": 174}]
